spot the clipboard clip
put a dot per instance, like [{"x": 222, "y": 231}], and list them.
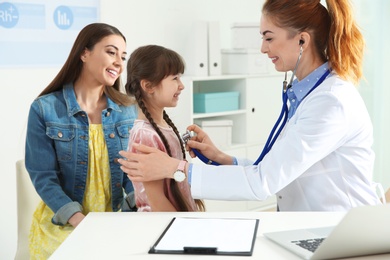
[{"x": 200, "y": 250}]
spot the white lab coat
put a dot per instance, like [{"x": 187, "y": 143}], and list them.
[{"x": 322, "y": 161}]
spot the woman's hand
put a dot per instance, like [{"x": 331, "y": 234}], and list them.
[
  {"x": 148, "y": 164},
  {"x": 76, "y": 219},
  {"x": 202, "y": 142}
]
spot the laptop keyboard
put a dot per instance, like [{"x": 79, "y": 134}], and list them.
[{"x": 309, "y": 244}]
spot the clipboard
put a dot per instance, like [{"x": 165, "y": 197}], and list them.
[{"x": 207, "y": 236}]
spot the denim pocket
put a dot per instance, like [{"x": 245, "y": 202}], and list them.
[
  {"x": 123, "y": 131},
  {"x": 62, "y": 137}
]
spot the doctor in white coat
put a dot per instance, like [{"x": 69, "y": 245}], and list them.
[{"x": 322, "y": 160}]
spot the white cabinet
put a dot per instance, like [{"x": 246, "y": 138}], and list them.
[{"x": 259, "y": 107}]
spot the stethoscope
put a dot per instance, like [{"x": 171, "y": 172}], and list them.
[{"x": 280, "y": 123}]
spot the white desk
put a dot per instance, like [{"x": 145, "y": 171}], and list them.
[{"x": 130, "y": 235}]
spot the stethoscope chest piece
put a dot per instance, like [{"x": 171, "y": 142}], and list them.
[{"x": 187, "y": 136}]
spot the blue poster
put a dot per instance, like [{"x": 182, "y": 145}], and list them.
[{"x": 37, "y": 33}]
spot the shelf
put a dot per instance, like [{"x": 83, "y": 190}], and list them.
[
  {"x": 218, "y": 77},
  {"x": 227, "y": 113},
  {"x": 259, "y": 105},
  {"x": 231, "y": 76}
]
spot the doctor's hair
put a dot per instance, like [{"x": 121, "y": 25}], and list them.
[
  {"x": 153, "y": 63},
  {"x": 334, "y": 31},
  {"x": 87, "y": 38}
]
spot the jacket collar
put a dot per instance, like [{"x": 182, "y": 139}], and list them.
[{"x": 73, "y": 107}]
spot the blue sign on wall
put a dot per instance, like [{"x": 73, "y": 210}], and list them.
[
  {"x": 9, "y": 15},
  {"x": 63, "y": 17},
  {"x": 41, "y": 33}
]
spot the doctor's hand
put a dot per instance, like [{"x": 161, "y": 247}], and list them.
[
  {"x": 202, "y": 142},
  {"x": 149, "y": 164}
]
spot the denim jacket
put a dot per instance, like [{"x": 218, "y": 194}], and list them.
[{"x": 57, "y": 150}]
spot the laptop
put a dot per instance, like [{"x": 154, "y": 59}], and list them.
[{"x": 364, "y": 230}]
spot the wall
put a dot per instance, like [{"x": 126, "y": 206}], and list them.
[
  {"x": 373, "y": 16},
  {"x": 168, "y": 23}
]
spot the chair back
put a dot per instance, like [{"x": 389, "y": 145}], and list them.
[{"x": 27, "y": 201}]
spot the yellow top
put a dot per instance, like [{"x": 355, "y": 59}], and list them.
[{"x": 46, "y": 237}]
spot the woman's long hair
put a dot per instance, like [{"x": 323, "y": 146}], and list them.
[{"x": 88, "y": 37}]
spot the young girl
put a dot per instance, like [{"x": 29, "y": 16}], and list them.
[{"x": 153, "y": 78}]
